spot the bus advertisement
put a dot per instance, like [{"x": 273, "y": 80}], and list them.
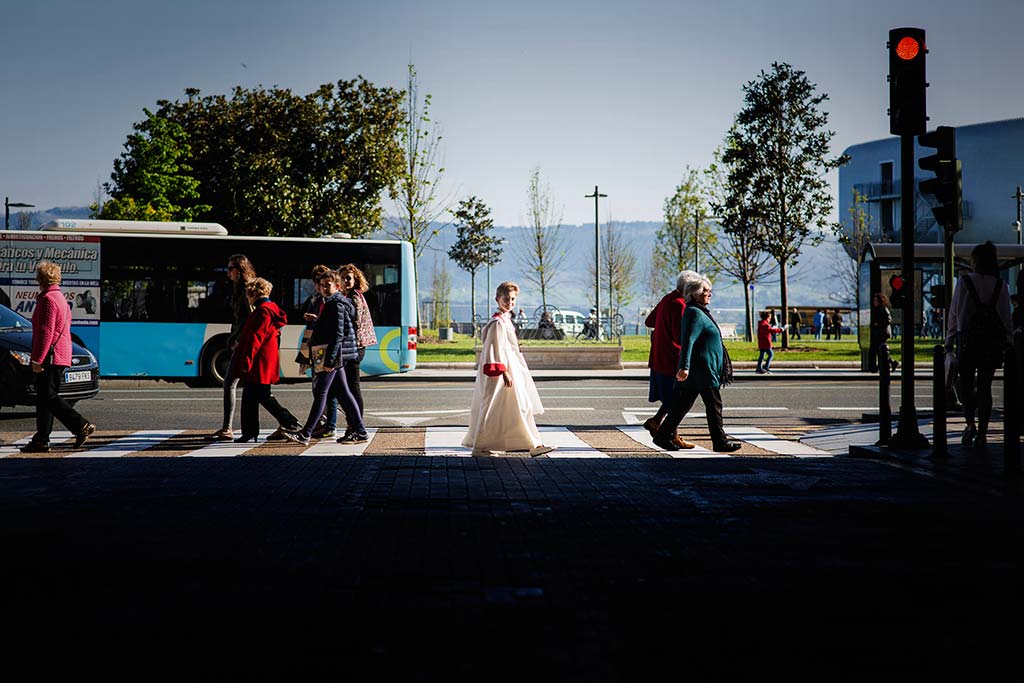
[{"x": 153, "y": 299}]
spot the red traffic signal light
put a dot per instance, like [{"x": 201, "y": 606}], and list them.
[
  {"x": 896, "y": 283},
  {"x": 899, "y": 290},
  {"x": 907, "y": 99}
]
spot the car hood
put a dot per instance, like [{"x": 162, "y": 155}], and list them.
[{"x": 22, "y": 341}]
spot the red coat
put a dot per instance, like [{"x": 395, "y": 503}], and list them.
[
  {"x": 764, "y": 335},
  {"x": 666, "y": 319},
  {"x": 256, "y": 356}
]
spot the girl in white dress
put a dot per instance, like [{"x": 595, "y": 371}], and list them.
[{"x": 505, "y": 399}]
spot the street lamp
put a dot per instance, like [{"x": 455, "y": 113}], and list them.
[
  {"x": 7, "y": 210},
  {"x": 597, "y": 262}
]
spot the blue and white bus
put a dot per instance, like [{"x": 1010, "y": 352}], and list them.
[{"x": 153, "y": 299}]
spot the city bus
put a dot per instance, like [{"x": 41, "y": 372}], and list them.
[{"x": 152, "y": 299}]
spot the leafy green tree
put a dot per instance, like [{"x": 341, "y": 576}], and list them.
[
  {"x": 779, "y": 147},
  {"x": 684, "y": 228},
  {"x": 271, "y": 162},
  {"x": 416, "y": 190},
  {"x": 475, "y": 246},
  {"x": 543, "y": 248},
  {"x": 737, "y": 253},
  {"x": 152, "y": 179}
]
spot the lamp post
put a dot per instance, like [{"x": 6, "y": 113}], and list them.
[
  {"x": 7, "y": 204},
  {"x": 597, "y": 261}
]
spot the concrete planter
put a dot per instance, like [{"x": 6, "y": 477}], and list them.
[
  {"x": 570, "y": 358},
  {"x": 446, "y": 333}
]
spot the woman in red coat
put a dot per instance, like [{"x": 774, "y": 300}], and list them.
[{"x": 256, "y": 361}]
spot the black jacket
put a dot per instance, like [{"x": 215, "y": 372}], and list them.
[{"x": 336, "y": 329}]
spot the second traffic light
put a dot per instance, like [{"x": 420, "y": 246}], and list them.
[
  {"x": 899, "y": 290},
  {"x": 947, "y": 185}
]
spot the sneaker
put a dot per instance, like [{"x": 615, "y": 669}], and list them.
[
  {"x": 541, "y": 450},
  {"x": 652, "y": 426},
  {"x": 220, "y": 435},
  {"x": 354, "y": 437},
  {"x": 86, "y": 432},
  {"x": 296, "y": 438},
  {"x": 35, "y": 447}
]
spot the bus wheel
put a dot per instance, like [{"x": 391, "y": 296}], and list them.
[{"x": 215, "y": 363}]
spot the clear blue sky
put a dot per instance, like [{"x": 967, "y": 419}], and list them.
[{"x": 619, "y": 94}]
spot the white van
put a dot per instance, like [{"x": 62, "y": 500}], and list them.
[{"x": 570, "y": 322}]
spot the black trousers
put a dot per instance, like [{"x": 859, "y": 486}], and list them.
[
  {"x": 682, "y": 401},
  {"x": 50, "y": 405},
  {"x": 976, "y": 392},
  {"x": 256, "y": 395},
  {"x": 352, "y": 377}
]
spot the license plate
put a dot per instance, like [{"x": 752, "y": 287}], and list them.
[{"x": 79, "y": 376}]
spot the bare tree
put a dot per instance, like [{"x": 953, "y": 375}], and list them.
[
  {"x": 855, "y": 237},
  {"x": 24, "y": 221},
  {"x": 417, "y": 196},
  {"x": 440, "y": 293},
  {"x": 618, "y": 268},
  {"x": 542, "y": 251}
]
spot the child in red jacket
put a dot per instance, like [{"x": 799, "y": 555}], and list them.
[{"x": 764, "y": 343}]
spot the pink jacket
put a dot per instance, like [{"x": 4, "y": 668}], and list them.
[{"x": 51, "y": 327}]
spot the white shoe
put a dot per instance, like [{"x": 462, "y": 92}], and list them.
[
  {"x": 481, "y": 451},
  {"x": 541, "y": 450}
]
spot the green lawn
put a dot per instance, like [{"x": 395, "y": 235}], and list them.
[{"x": 637, "y": 348}]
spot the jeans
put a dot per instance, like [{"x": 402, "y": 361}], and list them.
[
  {"x": 325, "y": 385},
  {"x": 256, "y": 395},
  {"x": 765, "y": 354},
  {"x": 49, "y": 405},
  {"x": 682, "y": 402}
]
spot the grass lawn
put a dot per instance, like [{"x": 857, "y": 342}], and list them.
[{"x": 430, "y": 349}]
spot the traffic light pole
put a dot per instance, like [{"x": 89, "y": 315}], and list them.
[{"x": 907, "y": 436}]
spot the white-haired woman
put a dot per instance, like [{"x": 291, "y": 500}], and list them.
[
  {"x": 663, "y": 360},
  {"x": 702, "y": 370}
]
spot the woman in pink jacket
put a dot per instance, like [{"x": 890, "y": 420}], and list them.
[{"x": 51, "y": 356}]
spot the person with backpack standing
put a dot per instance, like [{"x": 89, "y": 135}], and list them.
[{"x": 979, "y": 323}]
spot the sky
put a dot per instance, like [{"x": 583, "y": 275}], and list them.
[{"x": 622, "y": 95}]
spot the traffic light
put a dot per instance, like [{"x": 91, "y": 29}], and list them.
[
  {"x": 946, "y": 186},
  {"x": 907, "y": 99},
  {"x": 899, "y": 288}
]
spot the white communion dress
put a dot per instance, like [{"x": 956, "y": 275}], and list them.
[{"x": 502, "y": 418}]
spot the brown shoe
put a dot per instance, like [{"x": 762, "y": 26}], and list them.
[
  {"x": 682, "y": 443},
  {"x": 652, "y": 426}
]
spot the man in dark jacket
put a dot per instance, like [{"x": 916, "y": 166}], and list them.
[{"x": 333, "y": 341}]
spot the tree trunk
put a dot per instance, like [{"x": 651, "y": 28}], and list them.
[
  {"x": 750, "y": 313},
  {"x": 472, "y": 297},
  {"x": 785, "y": 304}
]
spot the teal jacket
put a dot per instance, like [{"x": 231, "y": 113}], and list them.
[{"x": 700, "y": 350}]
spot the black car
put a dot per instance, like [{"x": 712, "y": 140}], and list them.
[{"x": 17, "y": 385}]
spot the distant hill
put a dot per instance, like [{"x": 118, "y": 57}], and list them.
[{"x": 811, "y": 282}]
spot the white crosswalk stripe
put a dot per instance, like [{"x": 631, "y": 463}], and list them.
[
  {"x": 227, "y": 449},
  {"x": 56, "y": 438},
  {"x": 332, "y": 447},
  {"x": 569, "y": 445},
  {"x": 139, "y": 441},
  {"x": 775, "y": 444},
  {"x": 642, "y": 436},
  {"x": 446, "y": 441}
]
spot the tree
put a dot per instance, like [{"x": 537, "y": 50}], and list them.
[
  {"x": 441, "y": 294},
  {"x": 474, "y": 247},
  {"x": 24, "y": 220},
  {"x": 618, "y": 268},
  {"x": 854, "y": 238},
  {"x": 684, "y": 227},
  {"x": 415, "y": 191},
  {"x": 542, "y": 251},
  {"x": 270, "y": 162},
  {"x": 779, "y": 147},
  {"x": 737, "y": 254},
  {"x": 152, "y": 179}
]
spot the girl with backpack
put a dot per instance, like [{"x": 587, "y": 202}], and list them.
[{"x": 979, "y": 323}]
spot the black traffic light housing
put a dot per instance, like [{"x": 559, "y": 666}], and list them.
[
  {"x": 899, "y": 288},
  {"x": 907, "y": 84},
  {"x": 947, "y": 185}
]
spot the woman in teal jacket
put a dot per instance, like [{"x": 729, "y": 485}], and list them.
[{"x": 703, "y": 368}]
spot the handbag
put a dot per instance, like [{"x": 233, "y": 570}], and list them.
[{"x": 318, "y": 356}]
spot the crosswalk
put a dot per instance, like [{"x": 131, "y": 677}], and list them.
[{"x": 628, "y": 440}]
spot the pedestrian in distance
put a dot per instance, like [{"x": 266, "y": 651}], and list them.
[
  {"x": 505, "y": 399},
  {"x": 819, "y": 320},
  {"x": 827, "y": 324},
  {"x": 881, "y": 328},
  {"x": 50, "y": 357},
  {"x": 764, "y": 344},
  {"x": 773, "y": 321},
  {"x": 240, "y": 272},
  {"x": 979, "y": 326},
  {"x": 257, "y": 361},
  {"x": 837, "y": 324},
  {"x": 663, "y": 360},
  {"x": 704, "y": 367},
  {"x": 794, "y": 323},
  {"x": 354, "y": 285},
  {"x": 332, "y": 343}
]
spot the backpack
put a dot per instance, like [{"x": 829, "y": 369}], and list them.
[{"x": 983, "y": 339}]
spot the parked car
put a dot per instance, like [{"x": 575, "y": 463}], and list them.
[
  {"x": 570, "y": 322},
  {"x": 17, "y": 385}
]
